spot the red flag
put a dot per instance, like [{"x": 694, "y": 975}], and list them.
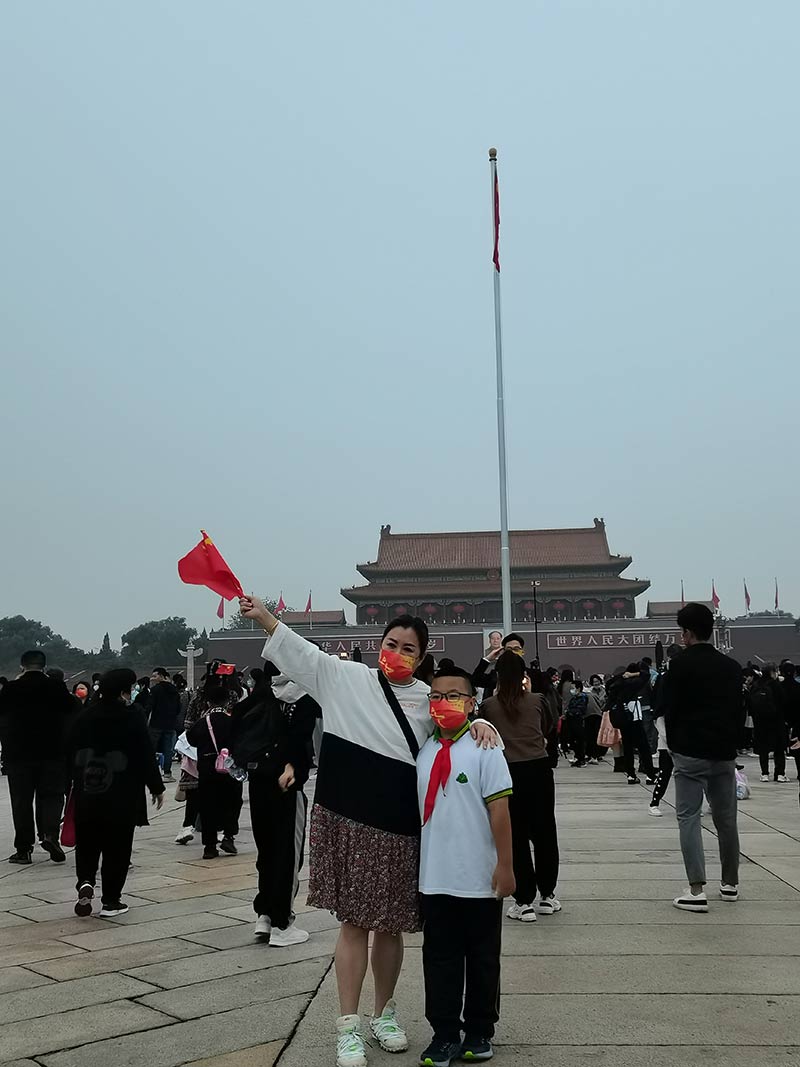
[
  {"x": 683, "y": 596},
  {"x": 714, "y": 597},
  {"x": 308, "y": 605},
  {"x": 746, "y": 596},
  {"x": 205, "y": 566},
  {"x": 777, "y": 602},
  {"x": 280, "y": 606},
  {"x": 221, "y": 608},
  {"x": 496, "y": 256}
]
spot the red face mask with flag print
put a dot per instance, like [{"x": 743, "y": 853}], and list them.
[
  {"x": 396, "y": 667},
  {"x": 449, "y": 714}
]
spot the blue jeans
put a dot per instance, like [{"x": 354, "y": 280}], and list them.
[
  {"x": 717, "y": 779},
  {"x": 164, "y": 742}
]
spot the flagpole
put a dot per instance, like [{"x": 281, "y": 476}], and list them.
[{"x": 505, "y": 548}]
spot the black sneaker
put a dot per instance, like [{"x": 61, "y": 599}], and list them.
[
  {"x": 83, "y": 905},
  {"x": 476, "y": 1049},
  {"x": 228, "y": 846},
  {"x": 55, "y": 851},
  {"x": 633, "y": 780},
  {"x": 650, "y": 780},
  {"x": 210, "y": 853},
  {"x": 440, "y": 1053},
  {"x": 21, "y": 857},
  {"x": 108, "y": 911}
]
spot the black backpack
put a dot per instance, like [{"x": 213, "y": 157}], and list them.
[{"x": 255, "y": 734}]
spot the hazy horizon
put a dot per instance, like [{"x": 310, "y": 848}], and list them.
[{"x": 246, "y": 286}]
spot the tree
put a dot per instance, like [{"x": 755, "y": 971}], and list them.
[
  {"x": 106, "y": 645},
  {"x": 236, "y": 622},
  {"x": 155, "y": 644},
  {"x": 18, "y": 635}
]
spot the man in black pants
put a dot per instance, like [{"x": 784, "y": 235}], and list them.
[
  {"x": 624, "y": 700},
  {"x": 271, "y": 738},
  {"x": 35, "y": 712}
]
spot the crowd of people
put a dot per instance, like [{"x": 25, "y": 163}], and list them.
[{"x": 434, "y": 798}]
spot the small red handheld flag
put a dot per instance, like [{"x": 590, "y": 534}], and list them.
[{"x": 205, "y": 566}]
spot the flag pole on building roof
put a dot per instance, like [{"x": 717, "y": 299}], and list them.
[{"x": 505, "y": 549}]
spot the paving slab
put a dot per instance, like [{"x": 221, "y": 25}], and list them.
[
  {"x": 40, "y": 912},
  {"x": 66, "y": 996},
  {"x": 256, "y": 1056},
  {"x": 238, "y": 991},
  {"x": 13, "y": 978},
  {"x": 760, "y": 885},
  {"x": 190, "y": 890},
  {"x": 242, "y": 934},
  {"x": 56, "y": 929},
  {"x": 148, "y": 912},
  {"x": 183, "y": 1042},
  {"x": 119, "y": 958},
  {"x": 33, "y": 951},
  {"x": 234, "y": 961},
  {"x": 658, "y": 912},
  {"x": 112, "y": 936},
  {"x": 690, "y": 935},
  {"x": 69, "y": 1029}
]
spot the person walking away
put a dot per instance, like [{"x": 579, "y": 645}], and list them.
[
  {"x": 624, "y": 701},
  {"x": 365, "y": 829},
  {"x": 270, "y": 738},
  {"x": 648, "y": 718},
  {"x": 184, "y": 697},
  {"x": 765, "y": 702},
  {"x": 525, "y": 720},
  {"x": 112, "y": 761},
  {"x": 165, "y": 708},
  {"x": 574, "y": 722},
  {"x": 704, "y": 713},
  {"x": 790, "y": 693},
  {"x": 142, "y": 698},
  {"x": 35, "y": 714},
  {"x": 466, "y": 871},
  {"x": 219, "y": 795},
  {"x": 596, "y": 698},
  {"x": 665, "y": 764}
]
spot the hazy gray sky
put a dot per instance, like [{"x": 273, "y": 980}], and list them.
[{"x": 245, "y": 284}]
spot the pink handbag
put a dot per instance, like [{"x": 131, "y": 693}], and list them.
[
  {"x": 222, "y": 754},
  {"x": 608, "y": 736}
]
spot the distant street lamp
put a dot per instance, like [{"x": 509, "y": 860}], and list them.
[{"x": 535, "y": 586}]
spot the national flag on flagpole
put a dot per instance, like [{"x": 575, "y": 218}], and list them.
[
  {"x": 683, "y": 595},
  {"x": 777, "y": 602},
  {"x": 714, "y": 597},
  {"x": 281, "y": 605},
  {"x": 496, "y": 255},
  {"x": 308, "y": 605},
  {"x": 204, "y": 565},
  {"x": 746, "y": 597}
]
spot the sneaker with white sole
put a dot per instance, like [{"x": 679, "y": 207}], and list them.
[
  {"x": 524, "y": 913},
  {"x": 263, "y": 927},
  {"x": 689, "y": 901},
  {"x": 109, "y": 911},
  {"x": 184, "y": 835},
  {"x": 548, "y": 906},
  {"x": 764, "y": 777},
  {"x": 83, "y": 905},
  {"x": 729, "y": 893},
  {"x": 655, "y": 811},
  {"x": 351, "y": 1051},
  {"x": 386, "y": 1030},
  {"x": 781, "y": 778},
  {"x": 292, "y": 935}
]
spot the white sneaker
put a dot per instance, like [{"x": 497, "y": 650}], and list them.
[
  {"x": 263, "y": 926},
  {"x": 387, "y": 1031},
  {"x": 290, "y": 936},
  {"x": 350, "y": 1048},
  {"x": 781, "y": 778},
  {"x": 729, "y": 893},
  {"x": 525, "y": 913},
  {"x": 548, "y": 906},
  {"x": 184, "y": 835},
  {"x": 689, "y": 901},
  {"x": 764, "y": 777},
  {"x": 655, "y": 810}
]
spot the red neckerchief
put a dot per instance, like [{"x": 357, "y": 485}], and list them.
[{"x": 440, "y": 772}]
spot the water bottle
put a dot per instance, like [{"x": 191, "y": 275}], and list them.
[{"x": 239, "y": 774}]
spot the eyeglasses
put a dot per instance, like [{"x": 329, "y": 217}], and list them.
[{"x": 434, "y": 698}]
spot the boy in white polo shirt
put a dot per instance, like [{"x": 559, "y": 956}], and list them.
[{"x": 466, "y": 871}]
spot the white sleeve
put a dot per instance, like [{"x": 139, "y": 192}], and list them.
[
  {"x": 495, "y": 775},
  {"x": 308, "y": 666},
  {"x": 500, "y": 742}
]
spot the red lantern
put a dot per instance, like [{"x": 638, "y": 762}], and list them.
[
  {"x": 372, "y": 611},
  {"x": 401, "y": 609},
  {"x": 588, "y": 605},
  {"x": 559, "y": 605},
  {"x": 618, "y": 605},
  {"x": 528, "y": 605},
  {"x": 430, "y": 609},
  {"x": 459, "y": 609}
]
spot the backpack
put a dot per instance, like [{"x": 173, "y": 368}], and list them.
[
  {"x": 762, "y": 703},
  {"x": 576, "y": 709},
  {"x": 255, "y": 735}
]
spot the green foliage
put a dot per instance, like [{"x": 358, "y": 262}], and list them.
[
  {"x": 18, "y": 635},
  {"x": 236, "y": 622},
  {"x": 155, "y": 644}
]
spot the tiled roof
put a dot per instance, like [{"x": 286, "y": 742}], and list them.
[
  {"x": 481, "y": 551},
  {"x": 486, "y": 590},
  {"x": 657, "y": 609}
]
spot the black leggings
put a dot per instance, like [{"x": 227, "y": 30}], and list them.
[
  {"x": 780, "y": 762},
  {"x": 532, "y": 805},
  {"x": 665, "y": 767},
  {"x": 634, "y": 739}
]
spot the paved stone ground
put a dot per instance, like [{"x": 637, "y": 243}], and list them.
[{"x": 618, "y": 978}]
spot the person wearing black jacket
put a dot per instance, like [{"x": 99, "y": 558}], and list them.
[
  {"x": 219, "y": 795},
  {"x": 272, "y": 729},
  {"x": 704, "y": 713},
  {"x": 764, "y": 699},
  {"x": 35, "y": 713},
  {"x": 624, "y": 695},
  {"x": 485, "y": 674},
  {"x": 111, "y": 760},
  {"x": 165, "y": 708}
]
